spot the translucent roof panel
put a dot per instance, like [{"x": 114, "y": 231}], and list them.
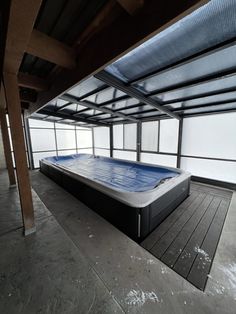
[
  {"x": 115, "y": 119},
  {"x": 208, "y": 26},
  {"x": 60, "y": 102},
  {"x": 123, "y": 104},
  {"x": 151, "y": 113},
  {"x": 199, "y": 89},
  {"x": 212, "y": 109},
  {"x": 86, "y": 87},
  {"x": 214, "y": 63},
  {"x": 103, "y": 116},
  {"x": 231, "y": 96},
  {"x": 51, "y": 118},
  {"x": 90, "y": 112},
  {"x": 137, "y": 109}
]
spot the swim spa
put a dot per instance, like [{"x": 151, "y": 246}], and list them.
[{"x": 133, "y": 196}]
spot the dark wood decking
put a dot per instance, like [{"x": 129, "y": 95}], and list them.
[{"x": 187, "y": 240}]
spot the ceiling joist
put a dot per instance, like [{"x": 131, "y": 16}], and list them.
[
  {"x": 50, "y": 49},
  {"x": 33, "y": 82},
  {"x": 131, "y": 6}
]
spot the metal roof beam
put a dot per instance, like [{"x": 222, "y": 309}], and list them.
[
  {"x": 70, "y": 117},
  {"x": 91, "y": 105},
  {"x": 132, "y": 92}
]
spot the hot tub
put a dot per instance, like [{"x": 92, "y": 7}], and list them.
[{"x": 133, "y": 196}]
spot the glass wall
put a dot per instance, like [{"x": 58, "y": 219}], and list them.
[
  {"x": 209, "y": 146},
  {"x": 101, "y": 141},
  {"x": 125, "y": 141},
  {"x": 159, "y": 142},
  {"x": 57, "y": 139},
  {"x": 208, "y": 143}
]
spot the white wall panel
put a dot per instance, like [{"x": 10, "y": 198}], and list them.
[
  {"x": 42, "y": 139},
  {"x": 65, "y": 139},
  {"x": 121, "y": 154},
  {"x": 210, "y": 136},
  {"x": 102, "y": 137},
  {"x": 38, "y": 156},
  {"x": 84, "y": 138},
  {"x": 66, "y": 152},
  {"x": 85, "y": 151},
  {"x": 102, "y": 152},
  {"x": 130, "y": 136},
  {"x": 157, "y": 159},
  {"x": 212, "y": 169},
  {"x": 150, "y": 136},
  {"x": 169, "y": 130},
  {"x": 33, "y": 123},
  {"x": 118, "y": 136}
]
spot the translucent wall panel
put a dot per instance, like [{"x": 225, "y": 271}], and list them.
[
  {"x": 130, "y": 136},
  {"x": 102, "y": 152},
  {"x": 150, "y": 136},
  {"x": 210, "y": 136},
  {"x": 66, "y": 152},
  {"x": 64, "y": 126},
  {"x": 212, "y": 169},
  {"x": 122, "y": 154},
  {"x": 65, "y": 139},
  {"x": 157, "y": 159},
  {"x": 85, "y": 151},
  {"x": 169, "y": 130},
  {"x": 42, "y": 139},
  {"x": 38, "y": 156},
  {"x": 84, "y": 138},
  {"x": 40, "y": 124},
  {"x": 118, "y": 136},
  {"x": 102, "y": 137}
]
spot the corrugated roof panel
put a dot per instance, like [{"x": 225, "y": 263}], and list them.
[
  {"x": 198, "y": 89},
  {"x": 208, "y": 26}
]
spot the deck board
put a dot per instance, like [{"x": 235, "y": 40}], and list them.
[
  {"x": 162, "y": 245},
  {"x": 188, "y": 255},
  {"x": 150, "y": 241},
  {"x": 187, "y": 240}
]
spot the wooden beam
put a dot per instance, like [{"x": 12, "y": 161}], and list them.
[
  {"x": 93, "y": 57},
  {"x": 33, "y": 82},
  {"x": 50, "y": 49},
  {"x": 6, "y": 139},
  {"x": 18, "y": 142},
  {"x": 106, "y": 15},
  {"x": 131, "y": 6},
  {"x": 21, "y": 21},
  {"x": 29, "y": 96}
]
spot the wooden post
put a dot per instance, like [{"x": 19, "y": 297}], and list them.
[
  {"x": 7, "y": 148},
  {"x": 15, "y": 119}
]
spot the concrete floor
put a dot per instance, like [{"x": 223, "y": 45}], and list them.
[{"x": 79, "y": 263}]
